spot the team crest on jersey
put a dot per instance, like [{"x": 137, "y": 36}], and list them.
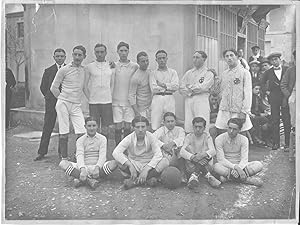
[
  {"x": 237, "y": 81},
  {"x": 201, "y": 80}
]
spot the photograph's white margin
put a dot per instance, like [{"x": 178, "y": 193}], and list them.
[{"x": 2, "y": 112}]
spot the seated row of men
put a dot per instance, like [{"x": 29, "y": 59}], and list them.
[{"x": 142, "y": 156}]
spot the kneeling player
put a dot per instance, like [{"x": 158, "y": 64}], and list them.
[
  {"x": 232, "y": 155},
  {"x": 91, "y": 157},
  {"x": 198, "y": 150},
  {"x": 144, "y": 161},
  {"x": 170, "y": 139}
]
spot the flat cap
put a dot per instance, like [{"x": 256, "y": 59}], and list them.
[
  {"x": 255, "y": 46},
  {"x": 253, "y": 62},
  {"x": 264, "y": 60},
  {"x": 274, "y": 54}
]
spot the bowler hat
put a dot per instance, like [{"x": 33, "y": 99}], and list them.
[{"x": 254, "y": 61}]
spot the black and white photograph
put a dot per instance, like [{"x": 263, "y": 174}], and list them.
[{"x": 149, "y": 112}]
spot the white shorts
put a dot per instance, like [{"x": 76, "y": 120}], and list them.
[
  {"x": 66, "y": 111},
  {"x": 159, "y": 106},
  {"x": 196, "y": 106},
  {"x": 122, "y": 113},
  {"x": 224, "y": 116}
]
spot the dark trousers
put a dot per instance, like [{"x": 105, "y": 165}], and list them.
[
  {"x": 7, "y": 106},
  {"x": 276, "y": 109},
  {"x": 49, "y": 122}
]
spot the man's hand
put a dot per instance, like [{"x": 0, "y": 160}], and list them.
[
  {"x": 83, "y": 174},
  {"x": 161, "y": 84},
  {"x": 242, "y": 116},
  {"x": 240, "y": 172},
  {"x": 204, "y": 161},
  {"x": 200, "y": 156},
  {"x": 213, "y": 71},
  {"x": 95, "y": 173},
  {"x": 143, "y": 175},
  {"x": 133, "y": 172},
  {"x": 264, "y": 114}
]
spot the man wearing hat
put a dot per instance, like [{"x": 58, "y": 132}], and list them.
[
  {"x": 277, "y": 101},
  {"x": 264, "y": 65},
  {"x": 289, "y": 91},
  {"x": 255, "y": 71},
  {"x": 256, "y": 54}
]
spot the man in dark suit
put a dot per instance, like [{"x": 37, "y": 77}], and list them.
[
  {"x": 256, "y": 75},
  {"x": 50, "y": 101},
  {"x": 256, "y": 54},
  {"x": 10, "y": 83},
  {"x": 289, "y": 91},
  {"x": 277, "y": 100}
]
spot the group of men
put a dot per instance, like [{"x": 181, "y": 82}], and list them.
[
  {"x": 273, "y": 88},
  {"x": 130, "y": 95}
]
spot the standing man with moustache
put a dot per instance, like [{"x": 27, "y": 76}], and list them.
[
  {"x": 50, "y": 101},
  {"x": 164, "y": 82},
  {"x": 195, "y": 86},
  {"x": 279, "y": 104}
]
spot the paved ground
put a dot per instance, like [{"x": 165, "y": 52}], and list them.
[{"x": 40, "y": 190}]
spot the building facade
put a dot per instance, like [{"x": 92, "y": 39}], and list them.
[{"x": 178, "y": 29}]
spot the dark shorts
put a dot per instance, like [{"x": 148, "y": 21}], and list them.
[{"x": 103, "y": 111}]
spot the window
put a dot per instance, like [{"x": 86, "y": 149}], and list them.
[
  {"x": 20, "y": 29},
  {"x": 251, "y": 37},
  {"x": 261, "y": 37},
  {"x": 228, "y": 29},
  {"x": 207, "y": 24}
]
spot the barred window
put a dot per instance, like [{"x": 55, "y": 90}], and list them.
[
  {"x": 228, "y": 29},
  {"x": 252, "y": 37},
  {"x": 207, "y": 24}
]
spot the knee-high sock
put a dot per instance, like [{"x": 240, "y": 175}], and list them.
[
  {"x": 105, "y": 170},
  {"x": 72, "y": 171},
  {"x": 118, "y": 136},
  {"x": 63, "y": 146}
]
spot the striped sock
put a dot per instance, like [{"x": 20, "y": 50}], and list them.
[
  {"x": 106, "y": 169},
  {"x": 72, "y": 171}
]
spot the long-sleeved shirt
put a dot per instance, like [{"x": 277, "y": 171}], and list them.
[
  {"x": 164, "y": 136},
  {"x": 168, "y": 77},
  {"x": 199, "y": 81},
  {"x": 99, "y": 80},
  {"x": 71, "y": 79},
  {"x": 236, "y": 90},
  {"x": 231, "y": 152},
  {"x": 150, "y": 154},
  {"x": 123, "y": 75},
  {"x": 139, "y": 91},
  {"x": 91, "y": 150},
  {"x": 193, "y": 145}
]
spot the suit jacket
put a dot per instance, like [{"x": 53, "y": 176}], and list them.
[
  {"x": 274, "y": 84},
  {"x": 260, "y": 59},
  {"x": 288, "y": 81},
  {"x": 256, "y": 79},
  {"x": 47, "y": 79},
  {"x": 257, "y": 106}
]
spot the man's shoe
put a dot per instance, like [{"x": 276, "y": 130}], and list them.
[
  {"x": 93, "y": 183},
  {"x": 193, "y": 181},
  {"x": 152, "y": 182},
  {"x": 275, "y": 147},
  {"x": 128, "y": 183},
  {"x": 253, "y": 181},
  {"x": 39, "y": 157},
  {"x": 223, "y": 179},
  {"x": 77, "y": 183},
  {"x": 214, "y": 182}
]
